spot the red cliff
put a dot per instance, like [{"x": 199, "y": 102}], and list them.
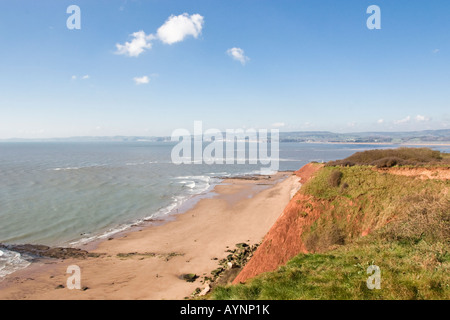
[{"x": 283, "y": 241}]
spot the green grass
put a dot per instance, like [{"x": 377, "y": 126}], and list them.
[
  {"x": 407, "y": 272},
  {"x": 409, "y": 224}
]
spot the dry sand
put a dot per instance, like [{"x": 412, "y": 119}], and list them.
[{"x": 238, "y": 211}]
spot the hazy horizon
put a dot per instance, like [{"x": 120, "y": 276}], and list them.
[{"x": 281, "y": 132}]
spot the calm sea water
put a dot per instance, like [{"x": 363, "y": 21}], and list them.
[{"x": 68, "y": 193}]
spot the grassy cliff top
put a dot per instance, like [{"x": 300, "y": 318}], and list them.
[{"x": 401, "y": 223}]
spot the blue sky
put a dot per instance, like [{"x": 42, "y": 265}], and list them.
[{"x": 297, "y": 66}]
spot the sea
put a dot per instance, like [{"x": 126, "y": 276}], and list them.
[{"x": 71, "y": 193}]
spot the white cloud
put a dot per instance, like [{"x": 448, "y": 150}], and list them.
[
  {"x": 177, "y": 28},
  {"x": 137, "y": 45},
  {"x": 238, "y": 54},
  {"x": 74, "y": 77},
  {"x": 402, "y": 121},
  {"x": 436, "y": 51},
  {"x": 85, "y": 77},
  {"x": 141, "y": 80},
  {"x": 420, "y": 118},
  {"x": 380, "y": 121},
  {"x": 278, "y": 124}
]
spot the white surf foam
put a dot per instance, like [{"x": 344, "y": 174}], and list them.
[{"x": 10, "y": 262}]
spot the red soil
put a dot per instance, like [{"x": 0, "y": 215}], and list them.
[
  {"x": 283, "y": 241},
  {"x": 441, "y": 173}
]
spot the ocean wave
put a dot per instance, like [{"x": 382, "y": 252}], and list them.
[
  {"x": 11, "y": 261},
  {"x": 79, "y": 168},
  {"x": 140, "y": 163},
  {"x": 195, "y": 184},
  {"x": 65, "y": 169}
]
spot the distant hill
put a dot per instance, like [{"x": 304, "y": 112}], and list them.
[{"x": 426, "y": 136}]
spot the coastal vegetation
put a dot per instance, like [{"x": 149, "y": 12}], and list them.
[
  {"x": 368, "y": 216},
  {"x": 382, "y": 158}
]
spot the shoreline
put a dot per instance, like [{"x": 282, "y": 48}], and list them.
[
  {"x": 387, "y": 143},
  {"x": 171, "y": 215},
  {"x": 148, "y": 261}
]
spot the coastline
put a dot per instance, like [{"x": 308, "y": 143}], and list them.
[
  {"x": 148, "y": 261},
  {"x": 422, "y": 144}
]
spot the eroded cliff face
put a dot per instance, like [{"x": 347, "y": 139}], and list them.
[{"x": 283, "y": 241}]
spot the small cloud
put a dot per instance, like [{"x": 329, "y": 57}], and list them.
[
  {"x": 238, "y": 54},
  {"x": 137, "y": 45},
  {"x": 177, "y": 28},
  {"x": 141, "y": 80},
  {"x": 85, "y": 77},
  {"x": 74, "y": 77},
  {"x": 420, "y": 118},
  {"x": 403, "y": 121},
  {"x": 380, "y": 121},
  {"x": 436, "y": 51},
  {"x": 278, "y": 124}
]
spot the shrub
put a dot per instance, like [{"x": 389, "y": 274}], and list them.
[
  {"x": 387, "y": 162},
  {"x": 392, "y": 157},
  {"x": 344, "y": 186},
  {"x": 335, "y": 178}
]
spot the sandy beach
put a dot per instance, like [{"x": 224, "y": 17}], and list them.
[{"x": 148, "y": 262}]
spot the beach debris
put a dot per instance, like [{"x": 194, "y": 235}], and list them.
[
  {"x": 228, "y": 269},
  {"x": 196, "y": 292},
  {"x": 190, "y": 277},
  {"x": 236, "y": 259},
  {"x": 205, "y": 290},
  {"x": 143, "y": 255},
  {"x": 60, "y": 287},
  {"x": 242, "y": 246},
  {"x": 217, "y": 272},
  {"x": 170, "y": 255},
  {"x": 126, "y": 255}
]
